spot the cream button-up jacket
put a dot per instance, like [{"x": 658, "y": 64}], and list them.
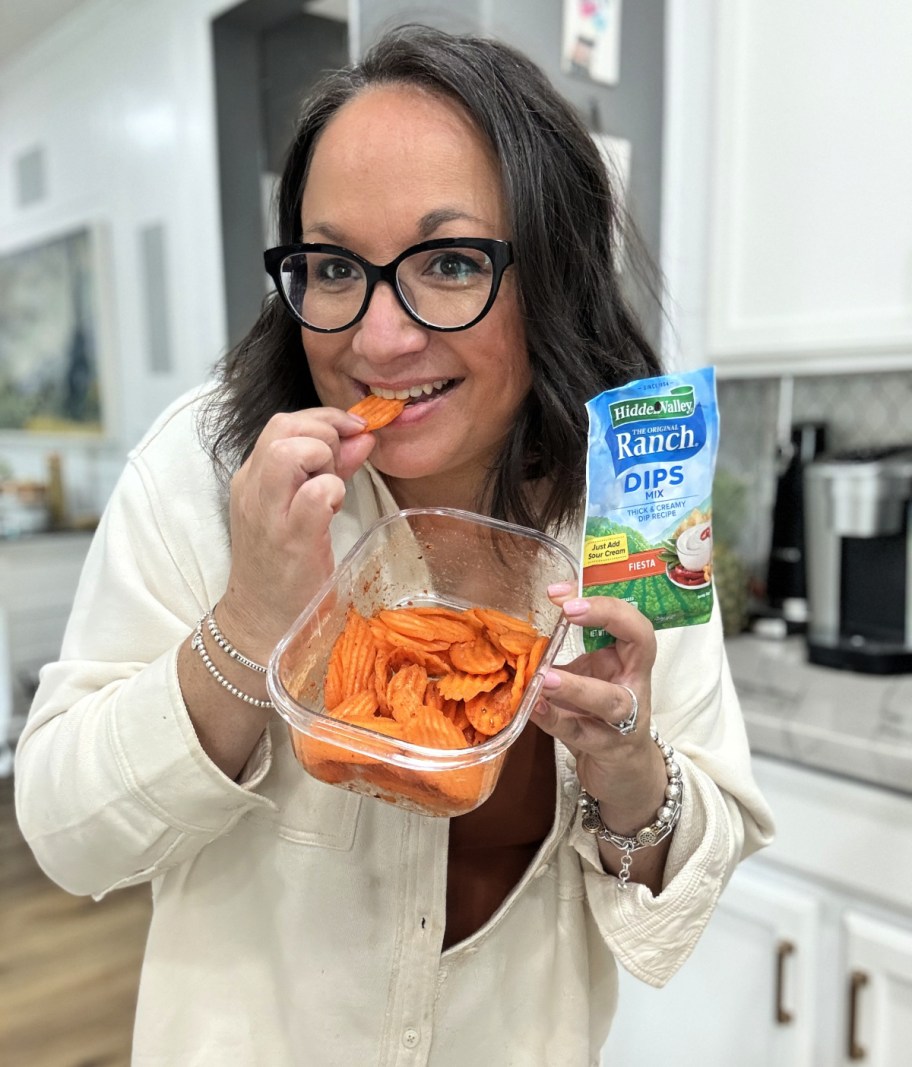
[{"x": 299, "y": 924}]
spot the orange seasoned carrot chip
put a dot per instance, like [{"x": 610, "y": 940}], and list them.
[
  {"x": 434, "y": 663},
  {"x": 519, "y": 682},
  {"x": 535, "y": 654},
  {"x": 313, "y": 752},
  {"x": 476, "y": 657},
  {"x": 384, "y": 635},
  {"x": 460, "y": 686},
  {"x": 509, "y": 657},
  {"x": 405, "y": 621},
  {"x": 360, "y": 654},
  {"x": 517, "y": 642},
  {"x": 427, "y": 627},
  {"x": 466, "y": 615},
  {"x": 377, "y": 410},
  {"x": 382, "y": 677},
  {"x": 501, "y": 623},
  {"x": 387, "y": 727},
  {"x": 405, "y": 692},
  {"x": 490, "y": 712},
  {"x": 332, "y": 683},
  {"x": 433, "y": 729},
  {"x": 358, "y": 706},
  {"x": 451, "y": 630},
  {"x": 456, "y": 713},
  {"x": 433, "y": 697}
]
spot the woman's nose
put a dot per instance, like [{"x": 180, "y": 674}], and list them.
[{"x": 386, "y": 330}]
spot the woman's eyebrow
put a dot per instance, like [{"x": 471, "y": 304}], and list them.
[
  {"x": 325, "y": 230},
  {"x": 428, "y": 224}
]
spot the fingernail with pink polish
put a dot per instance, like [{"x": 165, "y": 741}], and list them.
[
  {"x": 576, "y": 608},
  {"x": 551, "y": 680},
  {"x": 560, "y": 589}
]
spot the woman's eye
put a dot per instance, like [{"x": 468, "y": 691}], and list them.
[
  {"x": 454, "y": 266},
  {"x": 336, "y": 270}
]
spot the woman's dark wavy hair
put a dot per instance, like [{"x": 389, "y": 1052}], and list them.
[{"x": 565, "y": 224}]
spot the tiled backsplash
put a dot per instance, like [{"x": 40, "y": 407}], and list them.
[{"x": 859, "y": 410}]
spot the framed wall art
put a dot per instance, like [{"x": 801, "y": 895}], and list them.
[{"x": 51, "y": 336}]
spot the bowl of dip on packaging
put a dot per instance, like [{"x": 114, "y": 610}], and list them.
[{"x": 417, "y": 665}]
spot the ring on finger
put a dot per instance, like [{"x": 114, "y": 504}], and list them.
[{"x": 628, "y": 725}]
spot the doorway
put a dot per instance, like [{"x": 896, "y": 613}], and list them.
[{"x": 267, "y": 55}]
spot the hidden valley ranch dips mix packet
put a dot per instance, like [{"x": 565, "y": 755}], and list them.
[{"x": 648, "y": 533}]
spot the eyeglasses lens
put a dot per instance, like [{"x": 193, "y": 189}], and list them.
[{"x": 445, "y": 287}]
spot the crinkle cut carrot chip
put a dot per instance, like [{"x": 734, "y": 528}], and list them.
[
  {"x": 476, "y": 657},
  {"x": 459, "y": 686},
  {"x": 500, "y": 622},
  {"x": 405, "y": 692},
  {"x": 361, "y": 705},
  {"x": 385, "y": 636},
  {"x": 517, "y": 642},
  {"x": 535, "y": 655},
  {"x": 377, "y": 411},
  {"x": 427, "y": 627},
  {"x": 490, "y": 712},
  {"x": 433, "y": 731},
  {"x": 359, "y": 655}
]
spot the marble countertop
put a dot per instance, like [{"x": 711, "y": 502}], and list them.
[{"x": 858, "y": 725}]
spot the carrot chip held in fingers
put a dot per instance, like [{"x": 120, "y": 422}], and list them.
[{"x": 378, "y": 411}]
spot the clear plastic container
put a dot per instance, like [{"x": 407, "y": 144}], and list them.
[{"x": 421, "y": 556}]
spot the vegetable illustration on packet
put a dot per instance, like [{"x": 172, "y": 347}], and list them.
[{"x": 648, "y": 534}]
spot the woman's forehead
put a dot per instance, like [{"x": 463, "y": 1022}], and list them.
[{"x": 399, "y": 151}]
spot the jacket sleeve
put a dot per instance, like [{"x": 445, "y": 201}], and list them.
[
  {"x": 724, "y": 817},
  {"x": 112, "y": 785}
]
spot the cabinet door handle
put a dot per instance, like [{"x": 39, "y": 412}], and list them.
[
  {"x": 857, "y": 981},
  {"x": 784, "y": 950}
]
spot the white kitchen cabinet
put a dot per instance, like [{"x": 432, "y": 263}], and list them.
[
  {"x": 746, "y": 996},
  {"x": 38, "y": 577},
  {"x": 807, "y": 961},
  {"x": 878, "y": 963},
  {"x": 787, "y": 223}
]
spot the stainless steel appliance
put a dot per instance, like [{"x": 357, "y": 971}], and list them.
[{"x": 858, "y": 539}]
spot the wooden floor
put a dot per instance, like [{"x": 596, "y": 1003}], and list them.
[{"x": 69, "y": 967}]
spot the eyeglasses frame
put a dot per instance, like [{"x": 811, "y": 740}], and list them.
[{"x": 499, "y": 252}]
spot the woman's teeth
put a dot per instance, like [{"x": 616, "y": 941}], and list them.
[{"x": 413, "y": 393}]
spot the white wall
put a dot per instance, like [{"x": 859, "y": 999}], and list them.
[{"x": 120, "y": 98}]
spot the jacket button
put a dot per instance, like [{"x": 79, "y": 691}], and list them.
[{"x": 410, "y": 1037}]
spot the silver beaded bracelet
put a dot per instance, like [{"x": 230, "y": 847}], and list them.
[
  {"x": 198, "y": 645},
  {"x": 227, "y": 647},
  {"x": 666, "y": 817}
]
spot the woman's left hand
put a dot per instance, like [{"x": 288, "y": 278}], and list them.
[{"x": 583, "y": 701}]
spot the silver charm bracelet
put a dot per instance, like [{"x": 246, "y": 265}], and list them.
[
  {"x": 667, "y": 815},
  {"x": 199, "y": 646}
]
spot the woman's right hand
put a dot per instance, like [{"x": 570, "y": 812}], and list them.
[{"x": 282, "y": 500}]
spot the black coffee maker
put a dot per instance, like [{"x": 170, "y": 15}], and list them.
[
  {"x": 786, "y": 578},
  {"x": 859, "y": 536}
]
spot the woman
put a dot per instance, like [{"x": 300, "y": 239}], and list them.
[{"x": 298, "y": 923}]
